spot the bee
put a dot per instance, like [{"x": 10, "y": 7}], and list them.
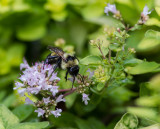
[{"x": 63, "y": 61}]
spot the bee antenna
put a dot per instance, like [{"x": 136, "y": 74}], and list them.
[{"x": 49, "y": 47}]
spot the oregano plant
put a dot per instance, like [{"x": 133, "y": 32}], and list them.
[{"x": 114, "y": 67}]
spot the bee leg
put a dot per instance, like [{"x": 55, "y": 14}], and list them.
[
  {"x": 45, "y": 62},
  {"x": 57, "y": 64},
  {"x": 73, "y": 82},
  {"x": 66, "y": 75},
  {"x": 55, "y": 67}
]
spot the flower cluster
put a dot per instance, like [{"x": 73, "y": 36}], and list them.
[
  {"x": 36, "y": 79},
  {"x": 83, "y": 84},
  {"x": 40, "y": 79}
]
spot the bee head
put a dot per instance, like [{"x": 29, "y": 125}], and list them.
[{"x": 74, "y": 70}]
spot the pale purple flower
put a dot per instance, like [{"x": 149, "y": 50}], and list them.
[
  {"x": 145, "y": 11},
  {"x": 24, "y": 65},
  {"x": 46, "y": 100},
  {"x": 28, "y": 101},
  {"x": 144, "y": 15},
  {"x": 22, "y": 91},
  {"x": 60, "y": 98},
  {"x": 110, "y": 8},
  {"x": 18, "y": 85},
  {"x": 91, "y": 73},
  {"x": 40, "y": 112},
  {"x": 57, "y": 112},
  {"x": 85, "y": 98},
  {"x": 54, "y": 77},
  {"x": 34, "y": 90},
  {"x": 46, "y": 87},
  {"x": 54, "y": 90}
]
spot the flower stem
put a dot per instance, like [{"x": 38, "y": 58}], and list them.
[
  {"x": 64, "y": 90},
  {"x": 109, "y": 56},
  {"x": 99, "y": 47},
  {"x": 70, "y": 92}
]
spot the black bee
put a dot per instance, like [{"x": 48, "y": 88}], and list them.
[{"x": 64, "y": 61}]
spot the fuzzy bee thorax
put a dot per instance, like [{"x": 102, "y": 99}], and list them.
[{"x": 70, "y": 63}]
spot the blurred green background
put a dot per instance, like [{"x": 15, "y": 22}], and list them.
[{"x": 28, "y": 26}]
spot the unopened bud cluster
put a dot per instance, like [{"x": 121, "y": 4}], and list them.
[
  {"x": 109, "y": 31},
  {"x": 83, "y": 85},
  {"x": 96, "y": 43},
  {"x": 60, "y": 42},
  {"x": 131, "y": 50},
  {"x": 100, "y": 74}
]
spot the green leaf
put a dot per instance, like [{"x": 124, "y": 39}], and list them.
[
  {"x": 148, "y": 101},
  {"x": 100, "y": 86},
  {"x": 82, "y": 124},
  {"x": 95, "y": 123},
  {"x": 70, "y": 99},
  {"x": 143, "y": 112},
  {"x": 144, "y": 122},
  {"x": 128, "y": 121},
  {"x": 118, "y": 34},
  {"x": 77, "y": 2},
  {"x": 2, "y": 94},
  {"x": 157, "y": 10},
  {"x": 132, "y": 62},
  {"x": 142, "y": 68},
  {"x": 23, "y": 111},
  {"x": 144, "y": 91},
  {"x": 15, "y": 54},
  {"x": 155, "y": 126},
  {"x": 154, "y": 83},
  {"x": 7, "y": 118},
  {"x": 148, "y": 44},
  {"x": 31, "y": 32},
  {"x": 152, "y": 22},
  {"x": 10, "y": 100},
  {"x": 66, "y": 120},
  {"x": 134, "y": 39},
  {"x": 79, "y": 40},
  {"x": 103, "y": 20},
  {"x": 136, "y": 27},
  {"x": 30, "y": 125},
  {"x": 152, "y": 34},
  {"x": 1, "y": 126},
  {"x": 91, "y": 60},
  {"x": 7, "y": 79},
  {"x": 96, "y": 9},
  {"x": 127, "y": 13}
]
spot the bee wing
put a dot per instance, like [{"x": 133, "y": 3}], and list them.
[{"x": 58, "y": 51}]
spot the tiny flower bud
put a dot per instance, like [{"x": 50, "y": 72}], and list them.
[
  {"x": 60, "y": 42},
  {"x": 131, "y": 50},
  {"x": 118, "y": 29},
  {"x": 87, "y": 84}
]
